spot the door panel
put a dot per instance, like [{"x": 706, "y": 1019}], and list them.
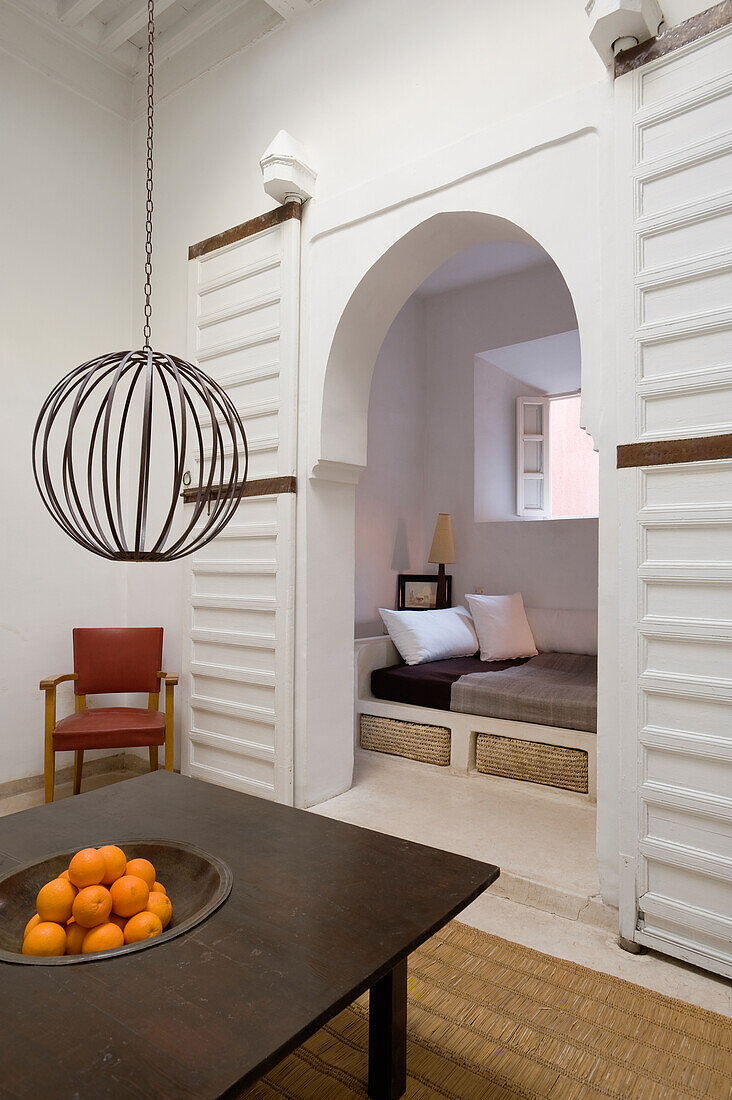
[
  {"x": 675, "y": 184},
  {"x": 243, "y": 323}
]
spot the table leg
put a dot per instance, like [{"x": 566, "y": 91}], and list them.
[{"x": 388, "y": 1035}]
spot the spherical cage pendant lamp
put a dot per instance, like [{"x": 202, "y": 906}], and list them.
[{"x": 113, "y": 422}]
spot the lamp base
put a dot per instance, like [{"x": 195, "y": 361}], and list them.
[{"x": 441, "y": 598}]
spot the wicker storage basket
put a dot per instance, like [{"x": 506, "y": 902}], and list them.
[
  {"x": 532, "y": 761},
  {"x": 415, "y": 741}
]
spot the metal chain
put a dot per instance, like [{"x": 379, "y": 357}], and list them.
[{"x": 149, "y": 202}]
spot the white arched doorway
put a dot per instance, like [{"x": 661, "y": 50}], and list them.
[{"x": 360, "y": 274}]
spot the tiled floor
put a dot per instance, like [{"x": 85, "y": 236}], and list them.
[{"x": 532, "y": 833}]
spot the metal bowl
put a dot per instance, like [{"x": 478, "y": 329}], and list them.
[{"x": 197, "y": 883}]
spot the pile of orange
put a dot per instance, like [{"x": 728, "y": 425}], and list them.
[{"x": 102, "y": 901}]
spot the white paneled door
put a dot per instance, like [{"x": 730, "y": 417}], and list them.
[
  {"x": 243, "y": 324},
  {"x": 675, "y": 185}
]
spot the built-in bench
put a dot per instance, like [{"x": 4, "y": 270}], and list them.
[{"x": 465, "y": 744}]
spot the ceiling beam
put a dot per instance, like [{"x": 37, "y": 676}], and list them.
[
  {"x": 288, "y": 9},
  {"x": 129, "y": 21},
  {"x": 71, "y": 12},
  {"x": 192, "y": 25},
  {"x": 42, "y": 42}
]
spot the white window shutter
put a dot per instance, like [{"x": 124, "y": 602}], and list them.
[{"x": 533, "y": 458}]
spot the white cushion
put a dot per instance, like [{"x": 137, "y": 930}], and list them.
[
  {"x": 431, "y": 635},
  {"x": 563, "y": 630},
  {"x": 502, "y": 627}
]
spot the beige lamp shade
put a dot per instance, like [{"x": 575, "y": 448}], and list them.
[{"x": 443, "y": 548}]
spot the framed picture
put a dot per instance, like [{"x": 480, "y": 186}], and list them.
[{"x": 418, "y": 592}]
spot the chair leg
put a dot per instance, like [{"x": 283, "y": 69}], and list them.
[
  {"x": 153, "y": 750},
  {"x": 78, "y": 766},
  {"x": 169, "y": 726},
  {"x": 50, "y": 773}
]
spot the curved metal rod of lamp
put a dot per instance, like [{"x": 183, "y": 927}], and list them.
[{"x": 94, "y": 505}]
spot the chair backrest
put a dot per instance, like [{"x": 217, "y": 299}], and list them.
[{"x": 117, "y": 659}]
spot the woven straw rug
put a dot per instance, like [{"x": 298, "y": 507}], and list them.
[{"x": 490, "y": 1019}]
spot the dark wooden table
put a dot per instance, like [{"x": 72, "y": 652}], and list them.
[{"x": 320, "y": 911}]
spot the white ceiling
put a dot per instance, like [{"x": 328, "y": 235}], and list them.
[
  {"x": 196, "y": 33},
  {"x": 551, "y": 364},
  {"x": 487, "y": 260}
]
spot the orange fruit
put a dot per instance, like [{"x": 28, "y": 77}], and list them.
[
  {"x": 47, "y": 938},
  {"x": 119, "y": 921},
  {"x": 143, "y": 869},
  {"x": 158, "y": 888},
  {"x": 161, "y": 906},
  {"x": 65, "y": 874},
  {"x": 143, "y": 926},
  {"x": 87, "y": 868},
  {"x": 54, "y": 900},
  {"x": 129, "y": 895},
  {"x": 115, "y": 862},
  {"x": 31, "y": 924},
  {"x": 103, "y": 938},
  {"x": 92, "y": 906},
  {"x": 74, "y": 937}
]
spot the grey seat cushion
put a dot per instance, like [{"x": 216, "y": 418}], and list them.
[{"x": 552, "y": 689}]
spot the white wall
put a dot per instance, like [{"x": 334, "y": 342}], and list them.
[
  {"x": 365, "y": 87},
  {"x": 390, "y": 492},
  {"x": 368, "y": 88},
  {"x": 427, "y": 435},
  {"x": 408, "y": 115},
  {"x": 65, "y": 196}
]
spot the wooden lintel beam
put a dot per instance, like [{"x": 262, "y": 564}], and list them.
[
  {"x": 667, "y": 452},
  {"x": 246, "y": 229},
  {"x": 259, "y": 487},
  {"x": 683, "y": 34}
]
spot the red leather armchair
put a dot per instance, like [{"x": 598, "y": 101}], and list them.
[{"x": 108, "y": 662}]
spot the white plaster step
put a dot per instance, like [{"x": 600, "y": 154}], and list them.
[
  {"x": 597, "y": 948},
  {"x": 587, "y": 909}
]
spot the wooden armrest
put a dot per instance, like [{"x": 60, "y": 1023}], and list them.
[
  {"x": 168, "y": 678},
  {"x": 54, "y": 681}
]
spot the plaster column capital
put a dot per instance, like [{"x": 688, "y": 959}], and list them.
[
  {"x": 286, "y": 172},
  {"x": 618, "y": 24}
]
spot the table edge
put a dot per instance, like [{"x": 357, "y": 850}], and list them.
[{"x": 268, "y": 1063}]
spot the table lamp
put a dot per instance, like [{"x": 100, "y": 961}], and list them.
[{"x": 442, "y": 553}]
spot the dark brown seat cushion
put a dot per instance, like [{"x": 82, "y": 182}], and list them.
[{"x": 429, "y": 685}]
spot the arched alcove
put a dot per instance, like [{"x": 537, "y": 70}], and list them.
[
  {"x": 339, "y": 422},
  {"x": 442, "y": 437},
  {"x": 371, "y": 310},
  {"x": 366, "y": 253}
]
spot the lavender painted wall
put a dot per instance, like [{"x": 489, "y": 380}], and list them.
[
  {"x": 391, "y": 492},
  {"x": 421, "y": 453}
]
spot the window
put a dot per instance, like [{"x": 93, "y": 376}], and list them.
[{"x": 557, "y": 470}]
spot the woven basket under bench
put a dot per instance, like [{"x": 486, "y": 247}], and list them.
[
  {"x": 532, "y": 761},
  {"x": 413, "y": 740}
]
